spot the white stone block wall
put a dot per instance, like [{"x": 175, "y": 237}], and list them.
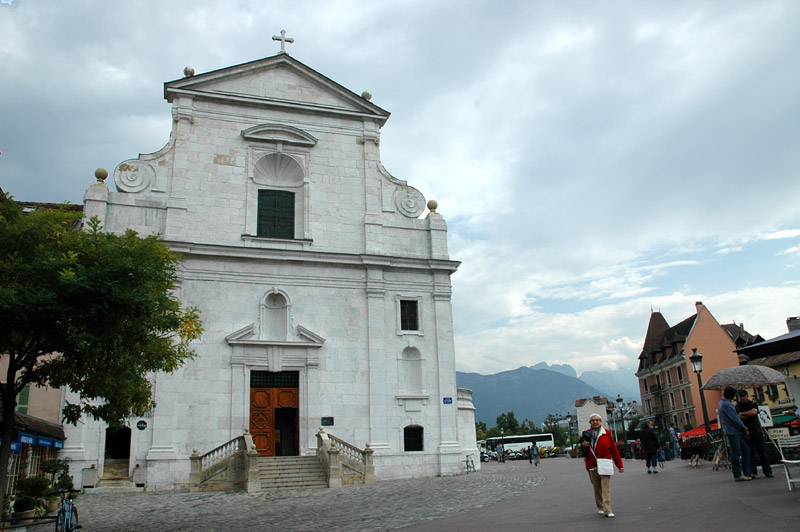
[{"x": 359, "y": 245}]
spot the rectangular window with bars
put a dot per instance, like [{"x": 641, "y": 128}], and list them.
[
  {"x": 409, "y": 315},
  {"x": 275, "y": 217},
  {"x": 274, "y": 379}
]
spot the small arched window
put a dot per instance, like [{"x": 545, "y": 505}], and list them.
[
  {"x": 411, "y": 371},
  {"x": 274, "y": 316}
]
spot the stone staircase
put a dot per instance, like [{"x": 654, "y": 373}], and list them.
[
  {"x": 115, "y": 477},
  {"x": 291, "y": 472}
]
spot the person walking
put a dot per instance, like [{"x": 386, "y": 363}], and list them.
[
  {"x": 535, "y": 453},
  {"x": 673, "y": 440},
  {"x": 649, "y": 440},
  {"x": 736, "y": 431},
  {"x": 748, "y": 413},
  {"x": 600, "y": 460}
]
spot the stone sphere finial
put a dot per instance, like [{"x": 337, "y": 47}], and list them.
[
  {"x": 101, "y": 174},
  {"x": 188, "y": 72},
  {"x": 366, "y": 95},
  {"x": 432, "y": 205}
]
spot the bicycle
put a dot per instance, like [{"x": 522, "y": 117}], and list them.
[
  {"x": 67, "y": 519},
  {"x": 469, "y": 465}
]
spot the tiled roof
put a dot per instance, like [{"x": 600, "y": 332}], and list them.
[
  {"x": 740, "y": 336},
  {"x": 785, "y": 343},
  {"x": 679, "y": 332},
  {"x": 655, "y": 334},
  {"x": 777, "y": 360},
  {"x": 597, "y": 399}
]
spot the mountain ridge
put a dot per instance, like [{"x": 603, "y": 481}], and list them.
[{"x": 533, "y": 392}]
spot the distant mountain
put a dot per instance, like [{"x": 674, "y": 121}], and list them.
[
  {"x": 564, "y": 369},
  {"x": 612, "y": 383},
  {"x": 528, "y": 392}
]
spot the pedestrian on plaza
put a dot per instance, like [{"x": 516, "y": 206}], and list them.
[
  {"x": 603, "y": 455},
  {"x": 748, "y": 413},
  {"x": 535, "y": 453},
  {"x": 500, "y": 456},
  {"x": 649, "y": 440},
  {"x": 673, "y": 440},
  {"x": 736, "y": 431}
]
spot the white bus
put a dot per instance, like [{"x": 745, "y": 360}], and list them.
[{"x": 518, "y": 442}]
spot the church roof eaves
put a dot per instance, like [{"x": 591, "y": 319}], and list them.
[{"x": 189, "y": 85}]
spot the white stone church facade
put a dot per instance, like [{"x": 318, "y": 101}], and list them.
[{"x": 325, "y": 296}]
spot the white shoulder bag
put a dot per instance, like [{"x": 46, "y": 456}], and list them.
[{"x": 605, "y": 466}]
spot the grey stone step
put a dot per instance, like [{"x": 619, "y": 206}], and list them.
[{"x": 291, "y": 472}]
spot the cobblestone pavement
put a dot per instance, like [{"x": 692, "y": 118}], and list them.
[{"x": 387, "y": 505}]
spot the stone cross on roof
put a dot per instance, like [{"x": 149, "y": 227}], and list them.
[{"x": 283, "y": 40}]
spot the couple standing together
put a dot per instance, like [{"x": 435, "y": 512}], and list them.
[{"x": 745, "y": 437}]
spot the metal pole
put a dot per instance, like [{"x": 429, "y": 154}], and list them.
[
  {"x": 624, "y": 436},
  {"x": 703, "y": 402}
]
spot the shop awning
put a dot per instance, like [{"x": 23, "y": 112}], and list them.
[
  {"x": 31, "y": 430},
  {"x": 698, "y": 432}
]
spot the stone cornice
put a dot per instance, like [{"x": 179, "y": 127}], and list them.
[
  {"x": 273, "y": 103},
  {"x": 223, "y": 252}
]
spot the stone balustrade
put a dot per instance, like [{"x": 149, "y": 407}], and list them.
[
  {"x": 232, "y": 465},
  {"x": 343, "y": 462}
]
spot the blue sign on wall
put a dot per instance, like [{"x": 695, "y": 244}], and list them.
[
  {"x": 45, "y": 442},
  {"x": 26, "y": 439},
  {"x": 58, "y": 444},
  {"x": 447, "y": 400}
]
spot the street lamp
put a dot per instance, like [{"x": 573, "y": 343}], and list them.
[
  {"x": 622, "y": 417},
  {"x": 570, "y": 417},
  {"x": 569, "y": 428},
  {"x": 697, "y": 365}
]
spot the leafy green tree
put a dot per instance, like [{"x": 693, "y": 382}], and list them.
[
  {"x": 90, "y": 310},
  {"x": 528, "y": 427},
  {"x": 508, "y": 422},
  {"x": 560, "y": 436},
  {"x": 480, "y": 430},
  {"x": 632, "y": 427}
]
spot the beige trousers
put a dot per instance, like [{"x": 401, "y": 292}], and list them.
[{"x": 602, "y": 490}]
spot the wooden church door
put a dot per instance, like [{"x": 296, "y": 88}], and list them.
[{"x": 274, "y": 403}]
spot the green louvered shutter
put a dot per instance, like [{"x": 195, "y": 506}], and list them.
[{"x": 275, "y": 214}]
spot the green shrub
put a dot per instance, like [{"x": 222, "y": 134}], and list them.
[
  {"x": 54, "y": 465},
  {"x": 23, "y": 503},
  {"x": 37, "y": 487},
  {"x": 64, "y": 483}
]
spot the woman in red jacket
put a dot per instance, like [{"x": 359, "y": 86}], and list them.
[{"x": 598, "y": 443}]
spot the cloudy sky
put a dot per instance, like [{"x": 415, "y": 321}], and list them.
[{"x": 593, "y": 160}]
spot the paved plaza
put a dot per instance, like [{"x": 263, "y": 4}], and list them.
[{"x": 515, "y": 496}]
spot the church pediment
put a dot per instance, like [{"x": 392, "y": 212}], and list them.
[
  {"x": 277, "y": 81},
  {"x": 247, "y": 336}
]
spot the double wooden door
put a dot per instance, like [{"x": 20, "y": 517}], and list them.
[{"x": 273, "y": 420}]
